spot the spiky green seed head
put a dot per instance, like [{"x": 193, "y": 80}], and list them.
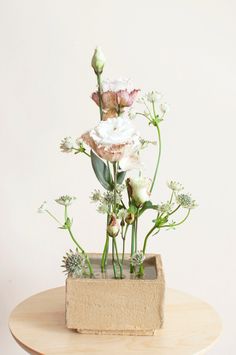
[{"x": 74, "y": 264}]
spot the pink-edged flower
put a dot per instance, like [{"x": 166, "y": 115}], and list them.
[
  {"x": 113, "y": 139},
  {"x": 116, "y": 95}
]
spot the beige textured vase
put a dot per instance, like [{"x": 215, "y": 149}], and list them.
[{"x": 129, "y": 306}]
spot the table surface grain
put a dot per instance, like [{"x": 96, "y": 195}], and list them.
[{"x": 38, "y": 325}]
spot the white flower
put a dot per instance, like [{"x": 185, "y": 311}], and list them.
[
  {"x": 98, "y": 60},
  {"x": 96, "y": 196},
  {"x": 137, "y": 259},
  {"x": 131, "y": 162},
  {"x": 66, "y": 145},
  {"x": 117, "y": 85},
  {"x": 153, "y": 96},
  {"x": 65, "y": 200},
  {"x": 186, "y": 201},
  {"x": 139, "y": 189},
  {"x": 42, "y": 208},
  {"x": 165, "y": 207},
  {"x": 175, "y": 186},
  {"x": 113, "y": 139},
  {"x": 164, "y": 108},
  {"x": 118, "y": 130},
  {"x": 103, "y": 208}
]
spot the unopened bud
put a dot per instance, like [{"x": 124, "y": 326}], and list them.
[
  {"x": 129, "y": 218},
  {"x": 98, "y": 61},
  {"x": 113, "y": 227}
]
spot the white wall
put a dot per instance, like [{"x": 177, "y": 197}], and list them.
[{"x": 186, "y": 49}]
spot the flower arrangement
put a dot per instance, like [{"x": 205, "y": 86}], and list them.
[{"x": 114, "y": 148}]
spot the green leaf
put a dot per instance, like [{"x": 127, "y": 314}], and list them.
[
  {"x": 101, "y": 171},
  {"x": 121, "y": 177}
]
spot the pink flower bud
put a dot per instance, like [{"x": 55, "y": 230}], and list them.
[{"x": 113, "y": 227}]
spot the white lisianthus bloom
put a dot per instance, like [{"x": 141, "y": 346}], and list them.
[
  {"x": 113, "y": 139},
  {"x": 139, "y": 189},
  {"x": 117, "y": 85},
  {"x": 130, "y": 162}
]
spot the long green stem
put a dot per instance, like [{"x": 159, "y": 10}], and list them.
[
  {"x": 113, "y": 258},
  {"x": 158, "y": 157},
  {"x": 118, "y": 259},
  {"x": 106, "y": 248},
  {"x": 104, "y": 254},
  {"x": 176, "y": 209},
  {"x": 124, "y": 239},
  {"x": 115, "y": 183},
  {"x": 82, "y": 251},
  {"x": 176, "y": 224},
  {"x": 146, "y": 238},
  {"x": 136, "y": 235},
  {"x": 51, "y": 215},
  {"x": 132, "y": 246},
  {"x": 100, "y": 94}
]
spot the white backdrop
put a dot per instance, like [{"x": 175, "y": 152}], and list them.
[{"x": 186, "y": 49}]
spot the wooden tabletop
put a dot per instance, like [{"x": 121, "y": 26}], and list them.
[{"x": 38, "y": 325}]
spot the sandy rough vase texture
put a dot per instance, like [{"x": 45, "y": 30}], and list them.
[{"x": 122, "y": 307}]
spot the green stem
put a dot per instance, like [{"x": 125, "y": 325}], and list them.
[
  {"x": 158, "y": 158},
  {"x": 105, "y": 250},
  {"x": 124, "y": 239},
  {"x": 136, "y": 234},
  {"x": 132, "y": 246},
  {"x": 141, "y": 270},
  {"x": 100, "y": 94},
  {"x": 88, "y": 155},
  {"x": 104, "y": 254},
  {"x": 146, "y": 239},
  {"x": 176, "y": 209},
  {"x": 51, "y": 215},
  {"x": 113, "y": 258},
  {"x": 115, "y": 183},
  {"x": 177, "y": 224},
  {"x": 117, "y": 258}
]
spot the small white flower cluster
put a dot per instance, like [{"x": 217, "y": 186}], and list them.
[
  {"x": 165, "y": 207},
  {"x": 137, "y": 259},
  {"x": 175, "y": 186},
  {"x": 154, "y": 98},
  {"x": 186, "y": 201},
  {"x": 65, "y": 200},
  {"x": 106, "y": 199},
  {"x": 68, "y": 145}
]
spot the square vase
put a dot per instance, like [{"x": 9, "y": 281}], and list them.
[{"x": 104, "y": 305}]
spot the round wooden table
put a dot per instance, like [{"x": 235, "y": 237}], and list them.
[{"x": 38, "y": 325}]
